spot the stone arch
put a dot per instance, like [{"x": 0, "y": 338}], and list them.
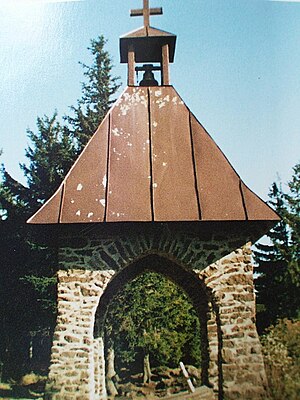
[
  {"x": 221, "y": 271},
  {"x": 117, "y": 251},
  {"x": 183, "y": 277}
]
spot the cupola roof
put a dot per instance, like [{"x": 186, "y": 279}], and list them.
[
  {"x": 147, "y": 43},
  {"x": 150, "y": 159}
]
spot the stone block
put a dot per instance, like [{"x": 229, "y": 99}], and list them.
[{"x": 228, "y": 355}]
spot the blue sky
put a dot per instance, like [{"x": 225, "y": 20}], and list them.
[{"x": 237, "y": 66}]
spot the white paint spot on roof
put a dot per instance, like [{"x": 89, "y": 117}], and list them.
[
  {"x": 144, "y": 101},
  {"x": 126, "y": 96},
  {"x": 124, "y": 108},
  {"x": 104, "y": 181},
  {"x": 116, "y": 152},
  {"x": 157, "y": 93},
  {"x": 174, "y": 100},
  {"x": 164, "y": 164},
  {"x": 72, "y": 201},
  {"x": 155, "y": 124},
  {"x": 120, "y": 215},
  {"x": 78, "y": 213},
  {"x": 102, "y": 202},
  {"x": 79, "y": 187},
  {"x": 155, "y": 185},
  {"x": 137, "y": 98},
  {"x": 129, "y": 100},
  {"x": 116, "y": 132},
  {"x": 90, "y": 214}
]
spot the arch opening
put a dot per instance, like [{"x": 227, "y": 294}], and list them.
[{"x": 183, "y": 285}]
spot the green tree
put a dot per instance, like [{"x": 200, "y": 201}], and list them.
[
  {"x": 27, "y": 290},
  {"x": 278, "y": 282},
  {"x": 50, "y": 155},
  {"x": 293, "y": 220},
  {"x": 97, "y": 94},
  {"x": 153, "y": 320}
]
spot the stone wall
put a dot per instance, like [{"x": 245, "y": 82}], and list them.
[
  {"x": 235, "y": 349},
  {"x": 90, "y": 265},
  {"x": 74, "y": 350}
]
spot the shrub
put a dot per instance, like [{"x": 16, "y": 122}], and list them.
[{"x": 281, "y": 349}]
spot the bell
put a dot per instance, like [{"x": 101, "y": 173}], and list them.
[{"x": 148, "y": 78}]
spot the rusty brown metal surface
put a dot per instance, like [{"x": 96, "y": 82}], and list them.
[
  {"x": 217, "y": 182},
  {"x": 129, "y": 197},
  {"x": 256, "y": 208},
  {"x": 165, "y": 65},
  {"x": 131, "y": 67},
  {"x": 174, "y": 194},
  {"x": 85, "y": 185},
  {"x": 147, "y": 31},
  {"x": 49, "y": 213},
  {"x": 151, "y": 160}
]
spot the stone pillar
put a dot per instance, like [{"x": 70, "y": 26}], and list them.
[
  {"x": 241, "y": 367},
  {"x": 72, "y": 370},
  {"x": 212, "y": 336},
  {"x": 99, "y": 360}
]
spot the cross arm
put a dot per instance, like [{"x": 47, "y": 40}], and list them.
[{"x": 139, "y": 12}]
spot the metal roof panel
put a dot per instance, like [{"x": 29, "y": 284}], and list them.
[
  {"x": 217, "y": 182},
  {"x": 174, "y": 193},
  {"x": 256, "y": 208},
  {"x": 129, "y": 180},
  {"x": 151, "y": 160},
  {"x": 85, "y": 184}
]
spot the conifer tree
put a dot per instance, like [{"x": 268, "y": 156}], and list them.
[
  {"x": 293, "y": 220},
  {"x": 153, "y": 321},
  {"x": 27, "y": 295},
  {"x": 50, "y": 155},
  {"x": 278, "y": 281},
  {"x": 97, "y": 94},
  {"x": 27, "y": 291}
]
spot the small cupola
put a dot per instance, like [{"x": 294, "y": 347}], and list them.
[{"x": 148, "y": 46}]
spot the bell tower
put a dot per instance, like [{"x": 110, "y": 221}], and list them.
[
  {"x": 148, "y": 45},
  {"x": 152, "y": 191}
]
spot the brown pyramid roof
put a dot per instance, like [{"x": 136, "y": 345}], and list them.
[{"x": 151, "y": 160}]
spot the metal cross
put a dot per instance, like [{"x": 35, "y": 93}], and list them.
[{"x": 146, "y": 12}]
